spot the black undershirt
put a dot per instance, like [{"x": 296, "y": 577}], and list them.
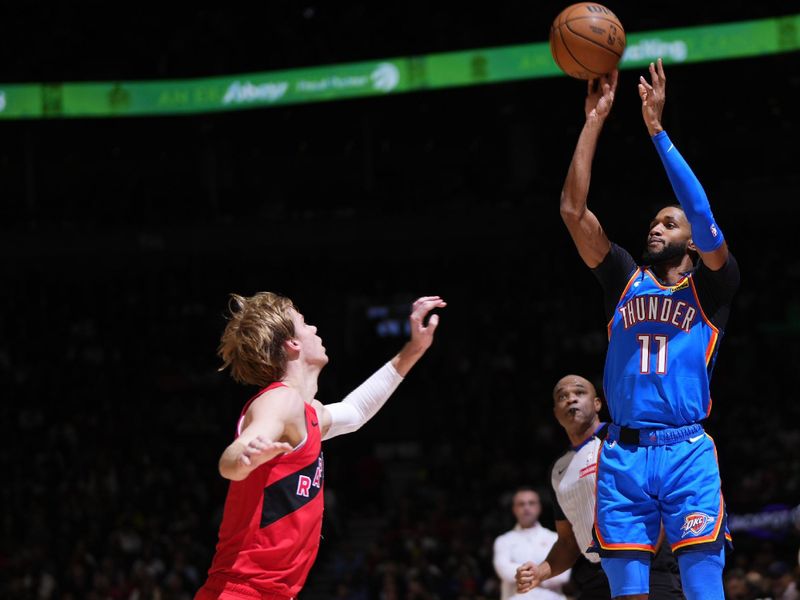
[{"x": 715, "y": 289}]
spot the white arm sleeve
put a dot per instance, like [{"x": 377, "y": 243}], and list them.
[{"x": 362, "y": 403}]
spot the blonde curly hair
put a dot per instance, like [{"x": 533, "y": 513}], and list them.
[{"x": 253, "y": 343}]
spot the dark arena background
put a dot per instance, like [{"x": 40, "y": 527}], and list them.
[{"x": 122, "y": 237}]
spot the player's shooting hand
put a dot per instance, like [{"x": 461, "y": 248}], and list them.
[
  {"x": 600, "y": 96},
  {"x": 259, "y": 450},
  {"x": 527, "y": 577},
  {"x": 422, "y": 332},
  {"x": 653, "y": 96}
]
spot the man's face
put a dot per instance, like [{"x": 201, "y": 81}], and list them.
[
  {"x": 575, "y": 403},
  {"x": 669, "y": 236},
  {"x": 526, "y": 508},
  {"x": 311, "y": 344}
]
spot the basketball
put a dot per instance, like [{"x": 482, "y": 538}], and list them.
[{"x": 586, "y": 40}]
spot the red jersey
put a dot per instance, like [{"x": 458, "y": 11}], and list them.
[{"x": 271, "y": 526}]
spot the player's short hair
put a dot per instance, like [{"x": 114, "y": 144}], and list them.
[
  {"x": 253, "y": 343},
  {"x": 657, "y": 207}
]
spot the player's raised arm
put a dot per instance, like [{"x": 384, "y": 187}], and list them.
[
  {"x": 367, "y": 399},
  {"x": 583, "y": 226},
  {"x": 706, "y": 236},
  {"x": 263, "y": 433}
]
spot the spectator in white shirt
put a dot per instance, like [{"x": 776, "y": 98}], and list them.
[{"x": 528, "y": 541}]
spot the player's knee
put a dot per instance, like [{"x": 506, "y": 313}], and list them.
[
  {"x": 628, "y": 577},
  {"x": 701, "y": 574}
]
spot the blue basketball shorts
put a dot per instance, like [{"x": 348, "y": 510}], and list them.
[{"x": 670, "y": 478}]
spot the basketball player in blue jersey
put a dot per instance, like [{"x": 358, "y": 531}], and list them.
[{"x": 666, "y": 320}]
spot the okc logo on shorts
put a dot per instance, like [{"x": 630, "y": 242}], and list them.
[{"x": 696, "y": 523}]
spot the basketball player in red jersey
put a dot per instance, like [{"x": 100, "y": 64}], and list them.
[{"x": 271, "y": 525}]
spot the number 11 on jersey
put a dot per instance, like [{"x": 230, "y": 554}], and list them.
[{"x": 646, "y": 342}]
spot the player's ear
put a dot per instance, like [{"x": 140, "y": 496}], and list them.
[
  {"x": 293, "y": 347},
  {"x": 690, "y": 245},
  {"x": 598, "y": 404}
]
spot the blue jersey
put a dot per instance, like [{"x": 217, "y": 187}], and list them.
[{"x": 660, "y": 355}]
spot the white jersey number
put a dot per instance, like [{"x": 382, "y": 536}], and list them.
[{"x": 646, "y": 342}]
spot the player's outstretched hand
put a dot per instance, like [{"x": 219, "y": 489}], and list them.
[
  {"x": 653, "y": 96},
  {"x": 259, "y": 450},
  {"x": 600, "y": 96},
  {"x": 527, "y": 577},
  {"x": 422, "y": 333}
]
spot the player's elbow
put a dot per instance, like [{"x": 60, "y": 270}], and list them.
[
  {"x": 570, "y": 212},
  {"x": 224, "y": 471},
  {"x": 230, "y": 471}
]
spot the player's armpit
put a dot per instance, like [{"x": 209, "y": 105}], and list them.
[{"x": 324, "y": 417}]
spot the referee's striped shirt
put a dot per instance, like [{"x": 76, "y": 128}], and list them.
[{"x": 573, "y": 479}]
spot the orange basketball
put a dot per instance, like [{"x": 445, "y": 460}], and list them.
[{"x": 586, "y": 40}]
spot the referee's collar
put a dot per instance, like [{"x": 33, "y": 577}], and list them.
[{"x": 599, "y": 432}]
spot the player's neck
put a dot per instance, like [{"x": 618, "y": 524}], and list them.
[
  {"x": 671, "y": 272},
  {"x": 302, "y": 378}
]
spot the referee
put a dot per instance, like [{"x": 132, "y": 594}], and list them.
[{"x": 576, "y": 407}]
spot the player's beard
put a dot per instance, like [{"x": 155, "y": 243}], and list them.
[{"x": 669, "y": 252}]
